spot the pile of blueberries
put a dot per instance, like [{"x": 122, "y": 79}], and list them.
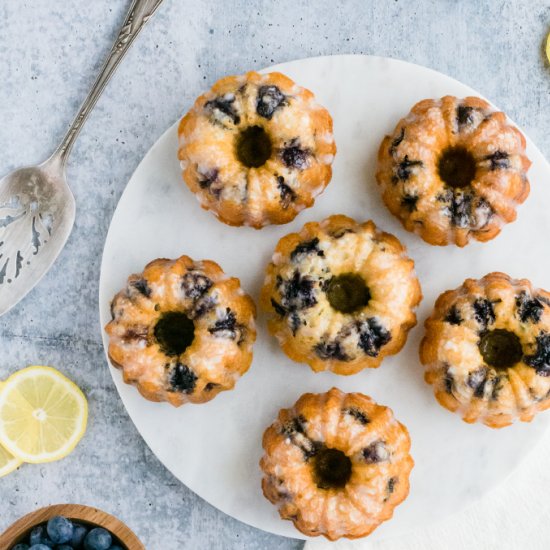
[{"x": 62, "y": 534}]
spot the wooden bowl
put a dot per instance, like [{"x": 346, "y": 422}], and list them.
[{"x": 83, "y": 514}]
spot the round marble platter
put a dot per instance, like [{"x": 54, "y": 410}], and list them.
[{"x": 214, "y": 448}]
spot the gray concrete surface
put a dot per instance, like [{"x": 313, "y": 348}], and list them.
[{"x": 49, "y": 55}]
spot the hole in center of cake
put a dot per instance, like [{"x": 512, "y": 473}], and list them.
[
  {"x": 174, "y": 332},
  {"x": 332, "y": 469},
  {"x": 500, "y": 348},
  {"x": 253, "y": 147},
  {"x": 348, "y": 292},
  {"x": 457, "y": 167}
]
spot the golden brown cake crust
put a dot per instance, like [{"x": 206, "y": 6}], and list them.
[
  {"x": 294, "y": 294},
  {"x": 461, "y": 378},
  {"x": 302, "y": 149},
  {"x": 224, "y": 331},
  {"x": 376, "y": 444},
  {"x": 409, "y": 174}
]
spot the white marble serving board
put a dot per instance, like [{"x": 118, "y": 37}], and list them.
[{"x": 215, "y": 448}]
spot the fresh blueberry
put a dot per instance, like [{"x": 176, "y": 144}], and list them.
[
  {"x": 79, "y": 534},
  {"x": 60, "y": 529},
  {"x": 21, "y": 546},
  {"x": 39, "y": 536},
  {"x": 64, "y": 547},
  {"x": 36, "y": 534},
  {"x": 115, "y": 547},
  {"x": 40, "y": 547},
  {"x": 98, "y": 539}
]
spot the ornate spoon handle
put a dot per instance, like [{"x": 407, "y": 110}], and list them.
[{"x": 139, "y": 13}]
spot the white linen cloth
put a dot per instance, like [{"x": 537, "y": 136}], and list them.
[{"x": 513, "y": 516}]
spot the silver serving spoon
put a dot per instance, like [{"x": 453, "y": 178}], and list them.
[{"x": 37, "y": 208}]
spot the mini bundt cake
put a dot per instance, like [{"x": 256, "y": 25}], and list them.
[
  {"x": 487, "y": 350},
  {"x": 181, "y": 331},
  {"x": 453, "y": 169},
  {"x": 336, "y": 464},
  {"x": 256, "y": 149},
  {"x": 341, "y": 295}
]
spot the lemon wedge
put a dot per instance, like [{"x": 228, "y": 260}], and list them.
[
  {"x": 43, "y": 415},
  {"x": 548, "y": 47}
]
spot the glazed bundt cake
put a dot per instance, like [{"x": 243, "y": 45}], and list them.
[
  {"x": 336, "y": 464},
  {"x": 454, "y": 169},
  {"x": 340, "y": 295},
  {"x": 487, "y": 350},
  {"x": 181, "y": 331},
  {"x": 256, "y": 149}
]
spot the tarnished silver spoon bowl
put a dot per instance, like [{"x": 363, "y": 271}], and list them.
[
  {"x": 37, "y": 208},
  {"x": 37, "y": 212}
]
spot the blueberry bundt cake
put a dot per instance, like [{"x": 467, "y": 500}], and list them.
[
  {"x": 181, "y": 331},
  {"x": 453, "y": 169},
  {"x": 336, "y": 464},
  {"x": 487, "y": 350},
  {"x": 256, "y": 149},
  {"x": 341, "y": 295}
]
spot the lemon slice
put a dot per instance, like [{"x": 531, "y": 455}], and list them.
[
  {"x": 548, "y": 47},
  {"x": 8, "y": 463},
  {"x": 43, "y": 415}
]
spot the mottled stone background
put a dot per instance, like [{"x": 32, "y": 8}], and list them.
[{"x": 49, "y": 55}]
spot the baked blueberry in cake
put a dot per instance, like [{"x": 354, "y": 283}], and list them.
[
  {"x": 256, "y": 149},
  {"x": 487, "y": 350},
  {"x": 336, "y": 464},
  {"x": 340, "y": 295},
  {"x": 454, "y": 169},
  {"x": 181, "y": 331}
]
